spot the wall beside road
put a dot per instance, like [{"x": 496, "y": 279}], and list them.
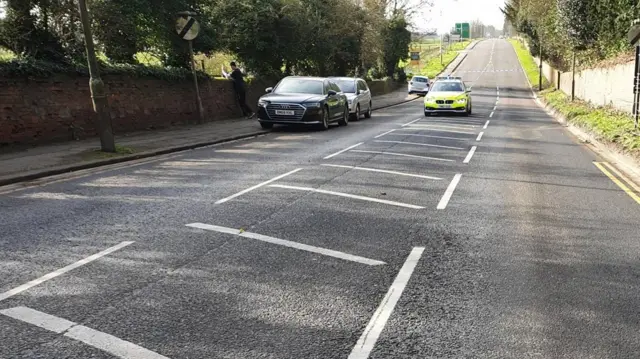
[
  {"x": 59, "y": 108},
  {"x": 607, "y": 86}
]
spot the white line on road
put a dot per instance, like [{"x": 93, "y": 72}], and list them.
[
  {"x": 438, "y": 130},
  {"x": 340, "y": 194},
  {"x": 103, "y": 341},
  {"x": 439, "y": 126},
  {"x": 286, "y": 243},
  {"x": 420, "y": 144},
  {"x": 257, "y": 186},
  {"x": 404, "y": 155},
  {"x": 382, "y": 134},
  {"x": 491, "y": 115},
  {"x": 46, "y": 277},
  {"x": 345, "y": 150},
  {"x": 470, "y": 154},
  {"x": 455, "y": 123},
  {"x": 480, "y": 136},
  {"x": 495, "y": 108},
  {"x": 384, "y": 171},
  {"x": 412, "y": 122},
  {"x": 486, "y": 124},
  {"x": 378, "y": 321},
  {"x": 431, "y": 136},
  {"x": 449, "y": 192}
]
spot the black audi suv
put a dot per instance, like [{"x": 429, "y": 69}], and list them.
[{"x": 301, "y": 100}]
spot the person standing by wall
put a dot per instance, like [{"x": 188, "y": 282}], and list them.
[{"x": 239, "y": 88}]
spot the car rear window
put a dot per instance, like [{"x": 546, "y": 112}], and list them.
[
  {"x": 419, "y": 79},
  {"x": 347, "y": 86},
  {"x": 298, "y": 85}
]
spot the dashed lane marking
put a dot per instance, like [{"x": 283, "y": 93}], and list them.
[
  {"x": 470, "y": 154},
  {"x": 439, "y": 130},
  {"x": 433, "y": 136},
  {"x": 286, "y": 243},
  {"x": 103, "y": 341},
  {"x": 383, "y": 134},
  {"x": 444, "y": 201},
  {"x": 479, "y": 136},
  {"x": 412, "y": 122},
  {"x": 17, "y": 290},
  {"x": 486, "y": 124}
]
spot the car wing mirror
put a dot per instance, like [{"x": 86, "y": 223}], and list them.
[
  {"x": 269, "y": 90},
  {"x": 331, "y": 93}
]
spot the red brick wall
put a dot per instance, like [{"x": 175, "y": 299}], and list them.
[{"x": 45, "y": 110}]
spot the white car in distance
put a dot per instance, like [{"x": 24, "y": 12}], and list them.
[
  {"x": 419, "y": 85},
  {"x": 358, "y": 95}
]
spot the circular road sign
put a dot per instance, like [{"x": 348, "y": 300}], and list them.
[{"x": 187, "y": 27}]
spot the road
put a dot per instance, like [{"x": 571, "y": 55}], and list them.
[{"x": 492, "y": 236}]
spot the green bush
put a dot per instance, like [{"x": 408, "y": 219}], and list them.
[{"x": 25, "y": 68}]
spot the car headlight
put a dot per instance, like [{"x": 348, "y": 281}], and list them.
[
  {"x": 462, "y": 100},
  {"x": 263, "y": 103},
  {"x": 311, "y": 105},
  {"x": 429, "y": 100}
]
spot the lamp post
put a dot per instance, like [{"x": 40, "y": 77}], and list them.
[{"x": 98, "y": 92}]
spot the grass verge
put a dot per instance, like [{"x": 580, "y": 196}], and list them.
[
  {"x": 433, "y": 67},
  {"x": 606, "y": 124},
  {"x": 528, "y": 63}
]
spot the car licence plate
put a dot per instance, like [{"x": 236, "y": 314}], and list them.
[
  {"x": 445, "y": 106},
  {"x": 285, "y": 112}
]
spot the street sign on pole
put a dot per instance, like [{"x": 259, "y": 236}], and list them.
[{"x": 188, "y": 28}]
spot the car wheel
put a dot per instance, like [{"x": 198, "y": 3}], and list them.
[
  {"x": 345, "y": 117},
  {"x": 368, "y": 113},
  {"x": 325, "y": 119},
  {"x": 266, "y": 126},
  {"x": 470, "y": 109},
  {"x": 356, "y": 116}
]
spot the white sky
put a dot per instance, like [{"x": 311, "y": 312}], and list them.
[{"x": 487, "y": 11}]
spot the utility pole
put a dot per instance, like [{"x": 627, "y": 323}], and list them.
[
  {"x": 98, "y": 92},
  {"x": 573, "y": 77},
  {"x": 540, "y": 65}
]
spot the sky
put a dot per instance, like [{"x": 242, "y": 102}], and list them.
[{"x": 487, "y": 11}]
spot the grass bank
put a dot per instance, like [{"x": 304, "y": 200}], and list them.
[
  {"x": 433, "y": 67},
  {"x": 606, "y": 124},
  {"x": 528, "y": 63}
]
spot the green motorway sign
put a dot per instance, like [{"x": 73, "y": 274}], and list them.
[{"x": 464, "y": 30}]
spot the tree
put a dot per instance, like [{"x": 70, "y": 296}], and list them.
[
  {"x": 576, "y": 19},
  {"x": 397, "y": 39}
]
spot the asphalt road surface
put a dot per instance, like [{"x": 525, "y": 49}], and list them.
[{"x": 402, "y": 236}]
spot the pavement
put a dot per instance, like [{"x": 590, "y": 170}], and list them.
[{"x": 497, "y": 235}]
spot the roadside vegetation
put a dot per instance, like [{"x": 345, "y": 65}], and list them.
[
  {"x": 269, "y": 38},
  {"x": 431, "y": 66},
  {"x": 531, "y": 69},
  {"x": 606, "y": 124}
]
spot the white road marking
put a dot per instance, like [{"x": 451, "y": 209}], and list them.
[
  {"x": 431, "y": 136},
  {"x": 342, "y": 151},
  {"x": 455, "y": 123},
  {"x": 495, "y": 108},
  {"x": 412, "y": 122},
  {"x": 378, "y": 321},
  {"x": 440, "y": 130},
  {"x": 286, "y": 243},
  {"x": 480, "y": 136},
  {"x": 449, "y": 192},
  {"x": 257, "y": 186},
  {"x": 404, "y": 155},
  {"x": 340, "y": 194},
  {"x": 382, "y": 134},
  {"x": 491, "y": 115},
  {"x": 420, "y": 144},
  {"x": 471, "y": 152},
  {"x": 384, "y": 171},
  {"x": 437, "y": 126},
  {"x": 10, "y": 293},
  {"x": 103, "y": 341},
  {"x": 486, "y": 124}
]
